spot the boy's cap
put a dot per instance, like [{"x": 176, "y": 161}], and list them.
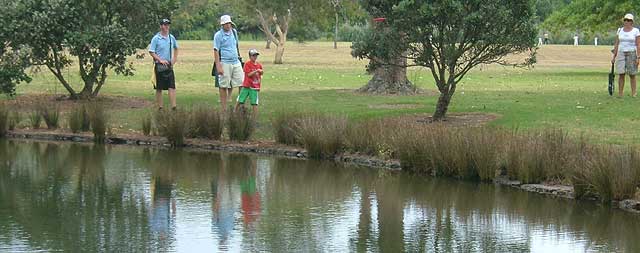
[
  {"x": 165, "y": 21},
  {"x": 225, "y": 19},
  {"x": 253, "y": 52}
]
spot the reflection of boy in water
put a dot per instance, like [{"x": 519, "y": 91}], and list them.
[
  {"x": 163, "y": 209},
  {"x": 250, "y": 195}
]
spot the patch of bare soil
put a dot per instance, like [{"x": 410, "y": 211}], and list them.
[
  {"x": 420, "y": 92},
  {"x": 394, "y": 106},
  {"x": 453, "y": 119},
  {"x": 29, "y": 102}
]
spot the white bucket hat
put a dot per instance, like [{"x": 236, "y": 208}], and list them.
[
  {"x": 628, "y": 16},
  {"x": 225, "y": 19}
]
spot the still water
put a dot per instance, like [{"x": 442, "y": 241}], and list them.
[{"x": 84, "y": 198}]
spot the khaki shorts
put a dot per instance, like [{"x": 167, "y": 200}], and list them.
[
  {"x": 626, "y": 63},
  {"x": 233, "y": 76}
]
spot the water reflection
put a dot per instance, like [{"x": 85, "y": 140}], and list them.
[{"x": 90, "y": 198}]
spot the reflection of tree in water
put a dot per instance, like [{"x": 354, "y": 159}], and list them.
[{"x": 72, "y": 208}]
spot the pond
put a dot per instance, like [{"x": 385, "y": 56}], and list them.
[{"x": 80, "y": 197}]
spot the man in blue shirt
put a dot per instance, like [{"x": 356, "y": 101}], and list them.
[
  {"x": 227, "y": 60},
  {"x": 164, "y": 50}
]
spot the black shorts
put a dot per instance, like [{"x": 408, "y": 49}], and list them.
[{"x": 164, "y": 80}]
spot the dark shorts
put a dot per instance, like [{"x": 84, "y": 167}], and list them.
[{"x": 165, "y": 80}]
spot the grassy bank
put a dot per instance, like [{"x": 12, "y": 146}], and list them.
[{"x": 566, "y": 89}]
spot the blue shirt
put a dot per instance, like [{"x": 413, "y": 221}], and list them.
[
  {"x": 225, "y": 43},
  {"x": 160, "y": 46}
]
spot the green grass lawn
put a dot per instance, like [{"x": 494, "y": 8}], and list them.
[{"x": 566, "y": 89}]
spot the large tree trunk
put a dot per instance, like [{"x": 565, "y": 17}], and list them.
[
  {"x": 390, "y": 79},
  {"x": 279, "y": 54}
]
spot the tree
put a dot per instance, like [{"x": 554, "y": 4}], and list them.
[
  {"x": 590, "y": 16},
  {"x": 449, "y": 37},
  {"x": 13, "y": 58},
  {"x": 389, "y": 74},
  {"x": 100, "y": 35},
  {"x": 276, "y": 17}
]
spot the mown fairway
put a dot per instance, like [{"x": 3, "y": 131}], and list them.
[{"x": 567, "y": 89}]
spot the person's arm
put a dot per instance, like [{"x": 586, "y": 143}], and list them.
[
  {"x": 216, "y": 55},
  {"x": 615, "y": 49},
  {"x": 175, "y": 52}
]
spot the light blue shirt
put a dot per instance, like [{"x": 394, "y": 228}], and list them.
[
  {"x": 225, "y": 43},
  {"x": 160, "y": 45}
]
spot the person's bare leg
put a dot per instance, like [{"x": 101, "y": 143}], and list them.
[
  {"x": 621, "y": 85},
  {"x": 255, "y": 113},
  {"x": 633, "y": 85},
  {"x": 229, "y": 95},
  {"x": 223, "y": 99},
  {"x": 159, "y": 98},
  {"x": 172, "y": 98}
]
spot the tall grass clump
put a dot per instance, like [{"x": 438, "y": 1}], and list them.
[
  {"x": 14, "y": 119},
  {"x": 370, "y": 137},
  {"x": 465, "y": 153},
  {"x": 207, "y": 123},
  {"x": 286, "y": 127},
  {"x": 146, "y": 125},
  {"x": 173, "y": 125},
  {"x": 4, "y": 121},
  {"x": 99, "y": 122},
  {"x": 35, "y": 119},
  {"x": 607, "y": 173},
  {"x": 322, "y": 136},
  {"x": 541, "y": 156},
  {"x": 240, "y": 125},
  {"x": 50, "y": 115},
  {"x": 79, "y": 120},
  {"x": 415, "y": 148}
]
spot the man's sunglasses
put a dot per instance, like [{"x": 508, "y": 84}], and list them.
[{"x": 628, "y": 20}]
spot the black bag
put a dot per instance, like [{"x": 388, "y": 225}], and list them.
[
  {"x": 612, "y": 78},
  {"x": 214, "y": 70}
]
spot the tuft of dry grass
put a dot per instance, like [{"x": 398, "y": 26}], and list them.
[
  {"x": 207, "y": 123},
  {"x": 323, "y": 136},
  {"x": 240, "y": 125},
  {"x": 286, "y": 127},
  {"x": 99, "y": 122},
  {"x": 173, "y": 125}
]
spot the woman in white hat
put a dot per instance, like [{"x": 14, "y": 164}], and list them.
[{"x": 625, "y": 55}]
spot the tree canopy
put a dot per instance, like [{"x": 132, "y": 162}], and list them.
[
  {"x": 449, "y": 37},
  {"x": 98, "y": 34},
  {"x": 591, "y": 16}
]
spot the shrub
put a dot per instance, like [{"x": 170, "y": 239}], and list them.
[
  {"x": 323, "y": 136},
  {"x": 240, "y": 125},
  {"x": 14, "y": 119},
  {"x": 51, "y": 115},
  {"x": 146, "y": 125},
  {"x": 207, "y": 123},
  {"x": 484, "y": 146},
  {"x": 4, "y": 121},
  {"x": 99, "y": 122},
  {"x": 285, "y": 127},
  {"x": 173, "y": 125},
  {"x": 35, "y": 119}
]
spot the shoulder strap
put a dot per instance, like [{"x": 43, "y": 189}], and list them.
[
  {"x": 235, "y": 35},
  {"x": 170, "y": 48}
]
